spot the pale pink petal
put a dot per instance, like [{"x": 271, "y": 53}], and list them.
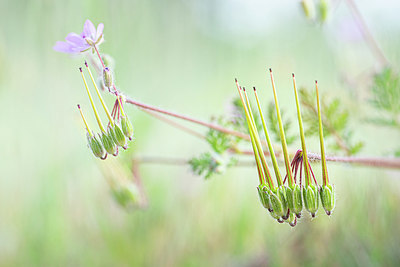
[
  {"x": 89, "y": 31},
  {"x": 75, "y": 39},
  {"x": 99, "y": 32},
  {"x": 64, "y": 47}
]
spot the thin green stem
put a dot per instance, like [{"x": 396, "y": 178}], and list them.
[
  {"x": 253, "y": 128},
  {"x": 84, "y": 121},
  {"x": 253, "y": 144},
  {"x": 260, "y": 158},
  {"x": 99, "y": 95},
  {"x": 282, "y": 134},
  {"x": 92, "y": 103},
  {"x": 321, "y": 140},
  {"x": 120, "y": 106},
  {"x": 271, "y": 149},
  {"x": 303, "y": 142}
]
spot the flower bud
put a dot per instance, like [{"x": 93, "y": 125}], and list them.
[
  {"x": 127, "y": 127},
  {"x": 297, "y": 201},
  {"x": 311, "y": 199},
  {"x": 118, "y": 136},
  {"x": 264, "y": 196},
  {"x": 107, "y": 77},
  {"x": 127, "y": 195},
  {"x": 108, "y": 143},
  {"x": 96, "y": 147},
  {"x": 327, "y": 198}
]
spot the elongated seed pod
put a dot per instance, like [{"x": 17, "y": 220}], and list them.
[
  {"x": 311, "y": 199},
  {"x": 96, "y": 147},
  {"x": 264, "y": 197},
  {"x": 297, "y": 201},
  {"x": 118, "y": 136},
  {"x": 127, "y": 127},
  {"x": 276, "y": 204},
  {"x": 327, "y": 198},
  {"x": 108, "y": 143}
]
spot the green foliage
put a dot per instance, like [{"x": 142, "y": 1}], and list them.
[
  {"x": 386, "y": 98},
  {"x": 274, "y": 126},
  {"x": 239, "y": 118},
  {"x": 219, "y": 141},
  {"x": 386, "y": 92},
  {"x": 208, "y": 164},
  {"x": 335, "y": 121}
]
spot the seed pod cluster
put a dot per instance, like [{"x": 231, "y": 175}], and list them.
[
  {"x": 285, "y": 200},
  {"x": 119, "y": 129}
]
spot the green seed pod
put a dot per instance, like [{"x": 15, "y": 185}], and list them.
[
  {"x": 297, "y": 201},
  {"x": 276, "y": 204},
  {"x": 96, "y": 147},
  {"x": 289, "y": 198},
  {"x": 282, "y": 197},
  {"x": 118, "y": 136},
  {"x": 311, "y": 199},
  {"x": 126, "y": 195},
  {"x": 292, "y": 220},
  {"x": 127, "y": 127},
  {"x": 107, "y": 77},
  {"x": 327, "y": 198},
  {"x": 264, "y": 196},
  {"x": 308, "y": 8},
  {"x": 323, "y": 10},
  {"x": 109, "y": 143},
  {"x": 276, "y": 217}
]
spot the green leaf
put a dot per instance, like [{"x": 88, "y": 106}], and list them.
[
  {"x": 386, "y": 91},
  {"x": 208, "y": 164}
]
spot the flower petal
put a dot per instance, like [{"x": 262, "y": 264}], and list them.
[
  {"x": 64, "y": 47},
  {"x": 89, "y": 31},
  {"x": 99, "y": 32},
  {"x": 75, "y": 39}
]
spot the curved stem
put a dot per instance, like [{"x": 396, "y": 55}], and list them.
[
  {"x": 369, "y": 38},
  {"x": 188, "y": 118},
  {"x": 378, "y": 162}
]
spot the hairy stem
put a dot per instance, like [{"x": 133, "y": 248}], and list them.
[
  {"x": 188, "y": 118},
  {"x": 379, "y": 162}
]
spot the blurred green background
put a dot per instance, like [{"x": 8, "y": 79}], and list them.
[{"x": 55, "y": 206}]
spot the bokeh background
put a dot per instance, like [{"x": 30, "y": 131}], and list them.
[{"x": 55, "y": 205}]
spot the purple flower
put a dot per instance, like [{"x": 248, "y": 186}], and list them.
[{"x": 75, "y": 43}]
